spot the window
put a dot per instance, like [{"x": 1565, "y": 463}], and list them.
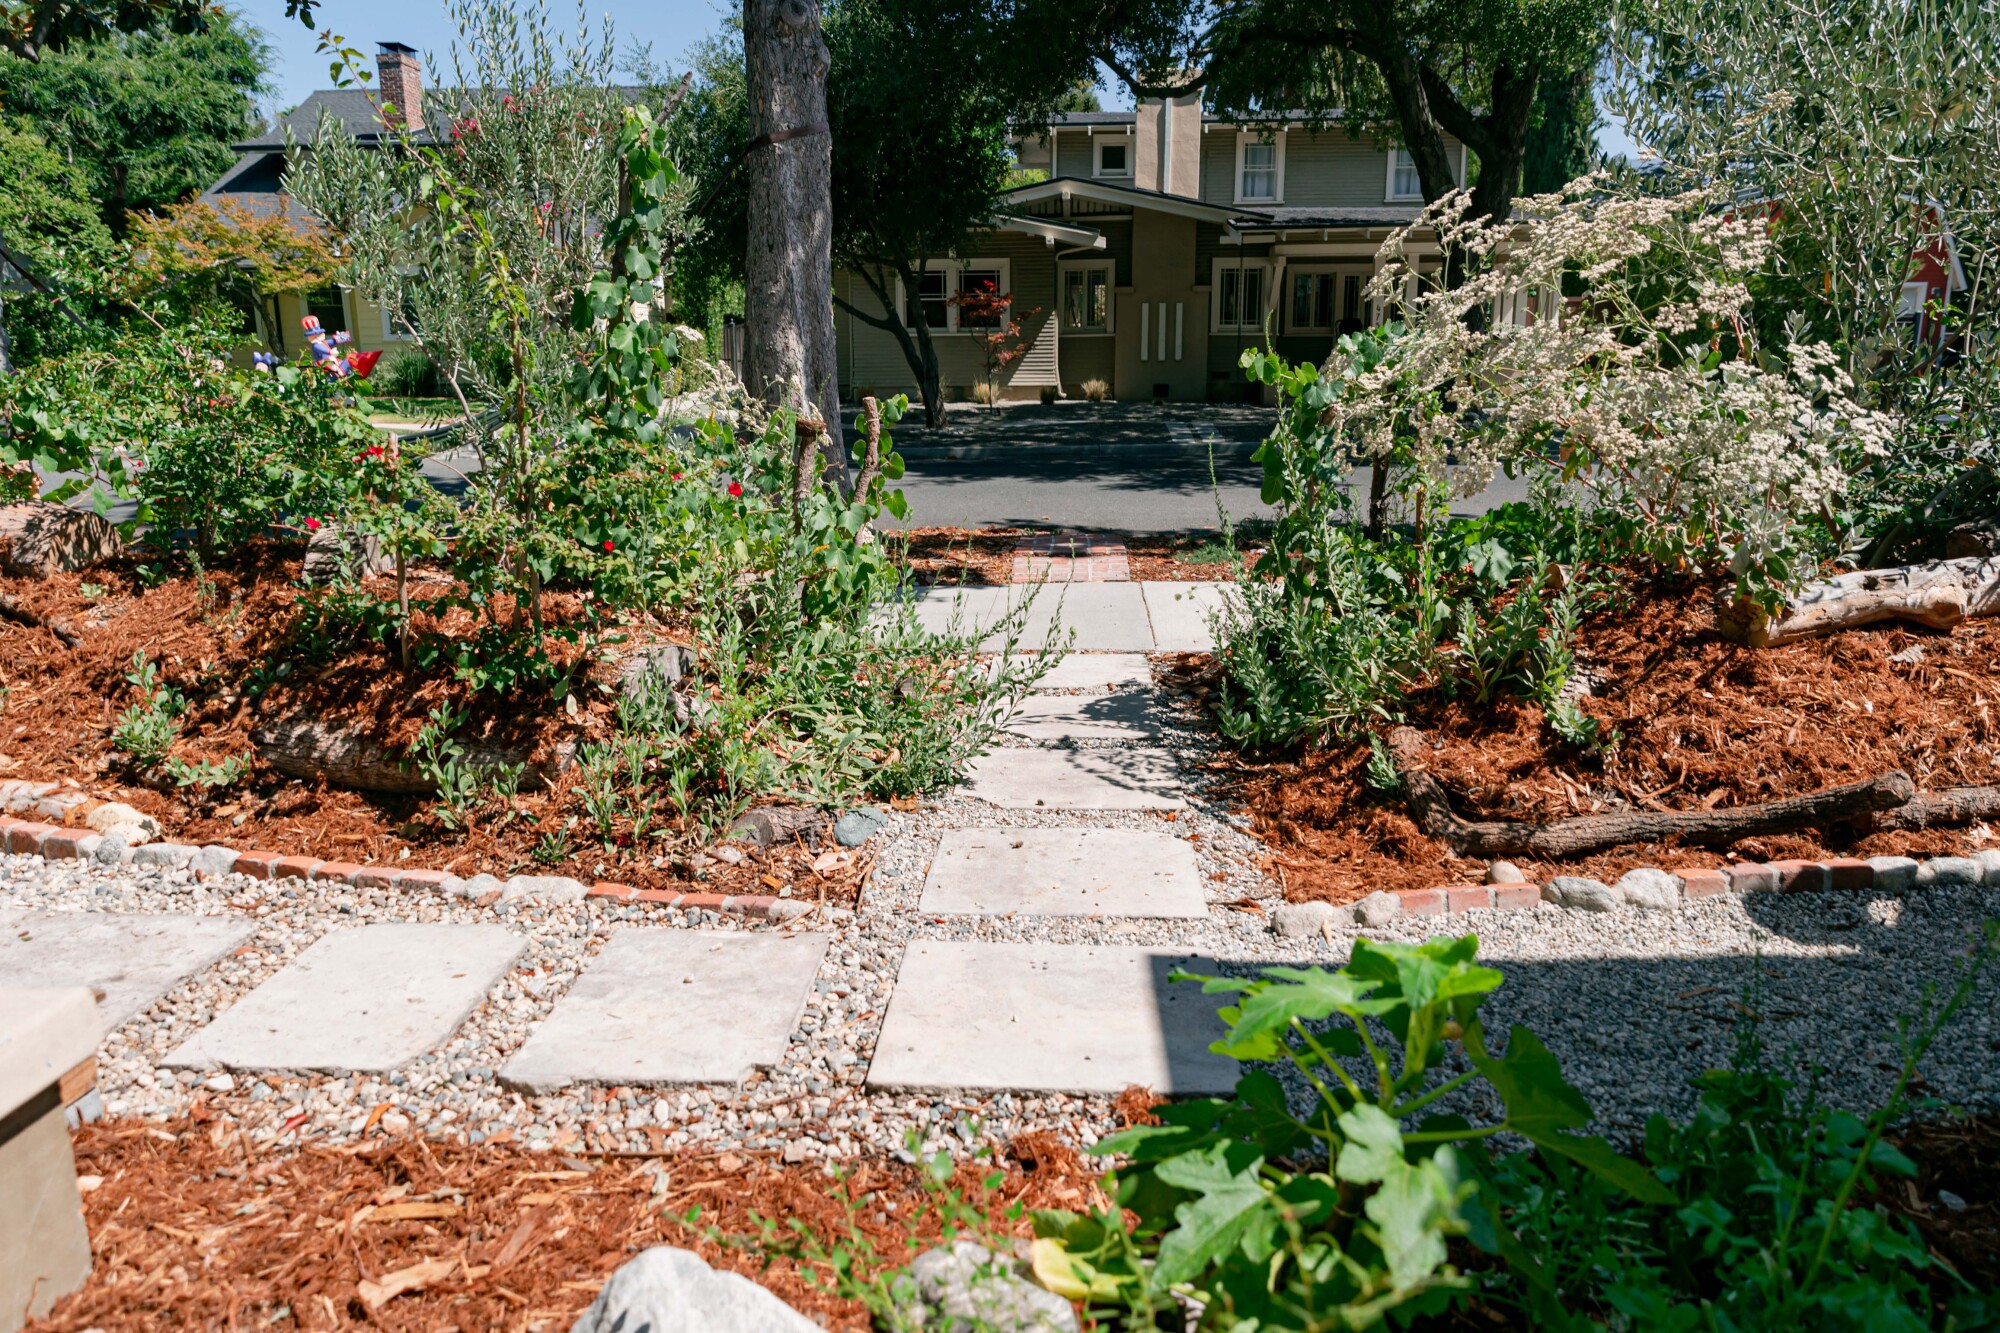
[
  {"x": 1915, "y": 295},
  {"x": 1114, "y": 155},
  {"x": 397, "y": 315},
  {"x": 1260, "y": 169},
  {"x": 934, "y": 291},
  {"x": 941, "y": 287},
  {"x": 329, "y": 306},
  {"x": 1240, "y": 295},
  {"x": 1403, "y": 180},
  {"x": 1086, "y": 299},
  {"x": 1312, "y": 302}
]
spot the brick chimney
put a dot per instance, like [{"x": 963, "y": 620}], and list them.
[{"x": 402, "y": 83}]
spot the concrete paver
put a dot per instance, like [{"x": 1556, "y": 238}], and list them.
[
  {"x": 1086, "y": 717},
  {"x": 1179, "y": 613},
  {"x": 673, "y": 1006},
  {"x": 132, "y": 958},
  {"x": 1048, "y": 1018},
  {"x": 366, "y": 999},
  {"x": 1120, "y": 778},
  {"x": 1096, "y": 671},
  {"x": 1064, "y": 872}
]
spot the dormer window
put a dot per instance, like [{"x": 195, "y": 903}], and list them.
[
  {"x": 1114, "y": 156},
  {"x": 1260, "y": 169}
]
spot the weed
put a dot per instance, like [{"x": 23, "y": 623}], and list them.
[
  {"x": 463, "y": 787},
  {"x": 147, "y": 729},
  {"x": 208, "y": 775}
]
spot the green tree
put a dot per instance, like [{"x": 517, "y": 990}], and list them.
[
  {"x": 149, "y": 118},
  {"x": 32, "y": 29},
  {"x": 1562, "y": 138},
  {"x": 49, "y": 229}
]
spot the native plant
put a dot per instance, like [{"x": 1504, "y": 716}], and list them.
[{"x": 147, "y": 729}]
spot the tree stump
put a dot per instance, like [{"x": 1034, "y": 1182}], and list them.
[
  {"x": 1938, "y": 594},
  {"x": 332, "y": 553}
]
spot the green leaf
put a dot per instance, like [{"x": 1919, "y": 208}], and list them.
[
  {"x": 1309, "y": 995},
  {"x": 1414, "y": 1209},
  {"x": 1374, "y": 1146},
  {"x": 1230, "y": 1207}
]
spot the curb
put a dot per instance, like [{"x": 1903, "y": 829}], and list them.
[{"x": 28, "y": 838}]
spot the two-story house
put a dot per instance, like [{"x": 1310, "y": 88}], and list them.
[{"x": 1162, "y": 242}]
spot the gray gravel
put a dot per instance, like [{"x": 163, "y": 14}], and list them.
[{"x": 1635, "y": 1003}]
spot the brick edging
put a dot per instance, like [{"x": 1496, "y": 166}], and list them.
[
  {"x": 28, "y": 838},
  {"x": 1844, "y": 874}
]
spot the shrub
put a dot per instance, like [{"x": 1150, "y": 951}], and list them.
[
  {"x": 1096, "y": 391},
  {"x": 982, "y": 392},
  {"x": 407, "y": 374},
  {"x": 1050, "y": 393}
]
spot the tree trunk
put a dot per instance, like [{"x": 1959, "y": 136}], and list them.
[
  {"x": 1934, "y": 809},
  {"x": 303, "y": 748},
  {"x": 1938, "y": 594},
  {"x": 788, "y": 270},
  {"x": 920, "y": 352}
]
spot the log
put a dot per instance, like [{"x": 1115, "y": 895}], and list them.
[
  {"x": 1593, "y": 833},
  {"x": 39, "y": 538},
  {"x": 1937, "y": 809},
  {"x": 14, "y": 609},
  {"x": 769, "y": 825},
  {"x": 1938, "y": 594},
  {"x": 302, "y": 748}
]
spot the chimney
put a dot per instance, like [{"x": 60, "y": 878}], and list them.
[
  {"x": 1167, "y": 145},
  {"x": 402, "y": 84}
]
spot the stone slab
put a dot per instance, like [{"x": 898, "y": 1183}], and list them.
[
  {"x": 1122, "y": 778},
  {"x": 132, "y": 958},
  {"x": 946, "y": 609},
  {"x": 45, "y": 1031},
  {"x": 1126, "y": 716},
  {"x": 366, "y": 999},
  {"x": 673, "y": 1006},
  {"x": 1095, "y": 671},
  {"x": 1064, "y": 872},
  {"x": 1073, "y": 1018},
  {"x": 1106, "y": 617},
  {"x": 1179, "y": 614}
]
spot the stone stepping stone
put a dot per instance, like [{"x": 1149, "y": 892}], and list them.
[
  {"x": 132, "y": 958},
  {"x": 1086, "y": 717},
  {"x": 673, "y": 1006},
  {"x": 366, "y": 999},
  {"x": 1179, "y": 613},
  {"x": 1107, "y": 617},
  {"x": 1070, "y": 1018},
  {"x": 1095, "y": 671},
  {"x": 1064, "y": 872},
  {"x": 1123, "y": 778}
]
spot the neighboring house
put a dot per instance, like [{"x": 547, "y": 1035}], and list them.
[
  {"x": 1163, "y": 242},
  {"x": 257, "y": 181}
]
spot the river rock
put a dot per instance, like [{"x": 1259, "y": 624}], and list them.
[
  {"x": 1650, "y": 889},
  {"x": 1378, "y": 909},
  {"x": 1582, "y": 895},
  {"x": 1505, "y": 872},
  {"x": 858, "y": 826},
  {"x": 964, "y": 1287},
  {"x": 1303, "y": 920},
  {"x": 668, "y": 1290},
  {"x": 1949, "y": 872}
]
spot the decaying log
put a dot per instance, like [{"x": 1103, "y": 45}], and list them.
[
  {"x": 1938, "y": 594},
  {"x": 1593, "y": 833},
  {"x": 769, "y": 825},
  {"x": 302, "y": 748},
  {"x": 14, "y": 609},
  {"x": 1939, "y": 809}
]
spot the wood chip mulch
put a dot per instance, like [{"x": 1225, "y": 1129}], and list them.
[
  {"x": 1704, "y": 723},
  {"x": 192, "y": 1228}
]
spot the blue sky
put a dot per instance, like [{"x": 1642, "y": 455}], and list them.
[{"x": 670, "y": 26}]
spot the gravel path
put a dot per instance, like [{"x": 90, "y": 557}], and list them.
[{"x": 1635, "y": 1003}]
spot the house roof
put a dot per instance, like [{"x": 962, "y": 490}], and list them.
[
  {"x": 1061, "y": 187},
  {"x": 1306, "y": 219},
  {"x": 1066, "y": 233},
  {"x": 257, "y": 182},
  {"x": 352, "y": 109}
]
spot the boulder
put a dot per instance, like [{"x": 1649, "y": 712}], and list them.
[
  {"x": 1949, "y": 872},
  {"x": 668, "y": 1290},
  {"x": 1378, "y": 909},
  {"x": 114, "y": 848},
  {"x": 39, "y": 538},
  {"x": 1505, "y": 872},
  {"x": 1303, "y": 920},
  {"x": 964, "y": 1287},
  {"x": 858, "y": 826},
  {"x": 1650, "y": 889},
  {"x": 335, "y": 553},
  {"x": 1582, "y": 895}
]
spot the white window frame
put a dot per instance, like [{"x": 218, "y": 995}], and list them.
[
  {"x": 1389, "y": 194},
  {"x": 953, "y": 270},
  {"x": 1098, "y": 143},
  {"x": 1110, "y": 270},
  {"x": 1244, "y": 138},
  {"x": 1912, "y": 300},
  {"x": 1255, "y": 326}
]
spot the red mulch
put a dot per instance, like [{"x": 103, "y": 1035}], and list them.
[
  {"x": 192, "y": 1228},
  {"x": 211, "y": 641},
  {"x": 1705, "y": 723}
]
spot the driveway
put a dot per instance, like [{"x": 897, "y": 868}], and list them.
[{"x": 1104, "y": 467}]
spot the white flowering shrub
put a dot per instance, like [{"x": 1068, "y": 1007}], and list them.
[{"x": 1607, "y": 337}]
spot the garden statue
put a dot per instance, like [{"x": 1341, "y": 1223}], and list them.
[{"x": 327, "y": 355}]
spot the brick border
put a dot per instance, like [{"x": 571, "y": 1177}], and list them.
[
  {"x": 28, "y": 838},
  {"x": 1892, "y": 874}
]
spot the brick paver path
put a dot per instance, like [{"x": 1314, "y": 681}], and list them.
[{"x": 1071, "y": 557}]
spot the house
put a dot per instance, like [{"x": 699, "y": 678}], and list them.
[
  {"x": 257, "y": 182},
  {"x": 1161, "y": 242}
]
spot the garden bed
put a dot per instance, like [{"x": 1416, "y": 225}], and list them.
[
  {"x": 240, "y": 646},
  {"x": 1703, "y": 723}
]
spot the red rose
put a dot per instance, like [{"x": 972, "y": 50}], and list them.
[
  {"x": 735, "y": 490},
  {"x": 312, "y": 525}
]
